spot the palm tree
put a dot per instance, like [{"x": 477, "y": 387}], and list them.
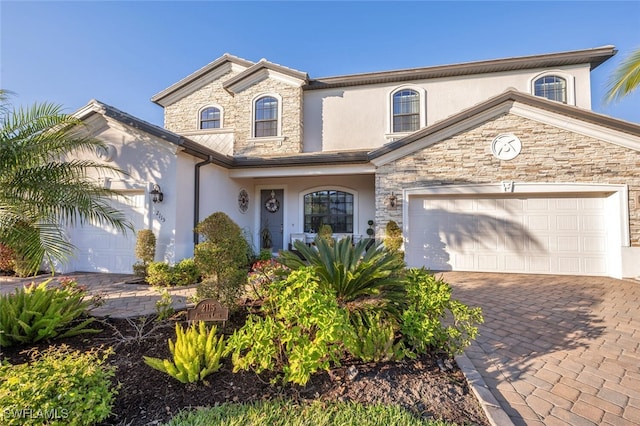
[
  {"x": 44, "y": 187},
  {"x": 625, "y": 79}
]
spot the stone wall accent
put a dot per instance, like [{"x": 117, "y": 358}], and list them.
[
  {"x": 182, "y": 116},
  {"x": 549, "y": 154},
  {"x": 291, "y": 121}
]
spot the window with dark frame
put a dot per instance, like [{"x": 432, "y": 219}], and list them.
[
  {"x": 406, "y": 111},
  {"x": 328, "y": 207},
  {"x": 210, "y": 118},
  {"x": 266, "y": 117},
  {"x": 551, "y": 87}
]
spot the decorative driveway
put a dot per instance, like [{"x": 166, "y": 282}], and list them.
[{"x": 557, "y": 350}]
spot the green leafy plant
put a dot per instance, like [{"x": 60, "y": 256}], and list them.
[
  {"x": 301, "y": 331},
  {"x": 433, "y": 319},
  {"x": 263, "y": 273},
  {"x": 196, "y": 354},
  {"x": 376, "y": 339},
  {"x": 393, "y": 236},
  {"x": 185, "y": 273},
  {"x": 325, "y": 233},
  {"x": 361, "y": 277},
  {"x": 145, "y": 251},
  {"x": 159, "y": 274},
  {"x": 61, "y": 386},
  {"x": 222, "y": 259},
  {"x": 33, "y": 313},
  {"x": 265, "y": 254},
  {"x": 164, "y": 306}
]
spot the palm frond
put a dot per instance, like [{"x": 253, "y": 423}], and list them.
[{"x": 625, "y": 78}]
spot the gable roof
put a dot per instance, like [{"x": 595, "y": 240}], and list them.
[
  {"x": 594, "y": 57},
  {"x": 189, "y": 146},
  {"x": 264, "y": 65},
  {"x": 568, "y": 117},
  {"x": 193, "y": 77}
]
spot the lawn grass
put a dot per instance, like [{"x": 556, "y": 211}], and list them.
[{"x": 287, "y": 413}]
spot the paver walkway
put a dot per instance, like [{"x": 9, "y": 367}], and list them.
[
  {"x": 121, "y": 299},
  {"x": 557, "y": 350}
]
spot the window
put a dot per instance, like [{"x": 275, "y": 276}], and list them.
[
  {"x": 551, "y": 87},
  {"x": 266, "y": 117},
  {"x": 210, "y": 118},
  {"x": 406, "y": 111},
  {"x": 328, "y": 207}
]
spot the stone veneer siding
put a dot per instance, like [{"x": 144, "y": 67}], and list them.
[
  {"x": 291, "y": 120},
  {"x": 549, "y": 154},
  {"x": 183, "y": 115}
]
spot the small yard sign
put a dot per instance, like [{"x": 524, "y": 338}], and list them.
[{"x": 208, "y": 310}]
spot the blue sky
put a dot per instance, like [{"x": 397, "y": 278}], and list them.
[{"x": 122, "y": 53}]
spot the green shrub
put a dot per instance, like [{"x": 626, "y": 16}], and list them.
[
  {"x": 185, "y": 272},
  {"x": 59, "y": 386},
  {"x": 159, "y": 274},
  {"x": 222, "y": 259},
  {"x": 146, "y": 246},
  {"x": 393, "y": 236},
  {"x": 302, "y": 331},
  {"x": 376, "y": 339},
  {"x": 263, "y": 273},
  {"x": 265, "y": 254},
  {"x": 433, "y": 319},
  {"x": 325, "y": 233},
  {"x": 196, "y": 354},
  {"x": 33, "y": 313},
  {"x": 361, "y": 277}
]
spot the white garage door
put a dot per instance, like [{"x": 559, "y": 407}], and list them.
[
  {"x": 104, "y": 249},
  {"x": 537, "y": 234}
]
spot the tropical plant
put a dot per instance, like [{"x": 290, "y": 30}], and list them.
[
  {"x": 433, "y": 319},
  {"x": 301, "y": 330},
  {"x": 222, "y": 259},
  {"x": 44, "y": 187},
  {"x": 196, "y": 354},
  {"x": 33, "y": 313},
  {"x": 625, "y": 78},
  {"x": 7, "y": 256},
  {"x": 59, "y": 387},
  {"x": 376, "y": 339},
  {"x": 361, "y": 278}
]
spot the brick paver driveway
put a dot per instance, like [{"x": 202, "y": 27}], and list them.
[{"x": 557, "y": 349}]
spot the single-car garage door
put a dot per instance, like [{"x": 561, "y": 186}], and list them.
[
  {"x": 104, "y": 249},
  {"x": 508, "y": 233}
]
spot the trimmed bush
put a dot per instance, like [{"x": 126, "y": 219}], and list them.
[
  {"x": 33, "y": 313},
  {"x": 59, "y": 386},
  {"x": 196, "y": 354},
  {"x": 393, "y": 236},
  {"x": 146, "y": 246},
  {"x": 159, "y": 274},
  {"x": 222, "y": 259}
]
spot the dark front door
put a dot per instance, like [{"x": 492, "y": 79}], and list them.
[{"x": 271, "y": 218}]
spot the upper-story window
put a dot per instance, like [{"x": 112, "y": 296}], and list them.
[
  {"x": 551, "y": 87},
  {"x": 266, "y": 117},
  {"x": 406, "y": 111},
  {"x": 210, "y": 118}
]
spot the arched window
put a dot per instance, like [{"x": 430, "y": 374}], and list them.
[
  {"x": 406, "y": 111},
  {"x": 551, "y": 87},
  {"x": 266, "y": 117},
  {"x": 328, "y": 207},
  {"x": 210, "y": 118}
]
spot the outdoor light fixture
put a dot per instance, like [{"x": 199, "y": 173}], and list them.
[
  {"x": 392, "y": 200},
  {"x": 156, "y": 193}
]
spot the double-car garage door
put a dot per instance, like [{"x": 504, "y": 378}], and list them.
[{"x": 545, "y": 234}]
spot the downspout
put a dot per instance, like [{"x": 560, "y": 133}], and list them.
[{"x": 196, "y": 198}]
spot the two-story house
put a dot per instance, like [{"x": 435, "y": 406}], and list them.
[{"x": 497, "y": 165}]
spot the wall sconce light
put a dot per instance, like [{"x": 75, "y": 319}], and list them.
[
  {"x": 392, "y": 199},
  {"x": 156, "y": 194}
]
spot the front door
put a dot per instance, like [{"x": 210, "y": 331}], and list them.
[{"x": 271, "y": 219}]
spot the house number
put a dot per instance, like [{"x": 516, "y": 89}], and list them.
[{"x": 160, "y": 216}]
